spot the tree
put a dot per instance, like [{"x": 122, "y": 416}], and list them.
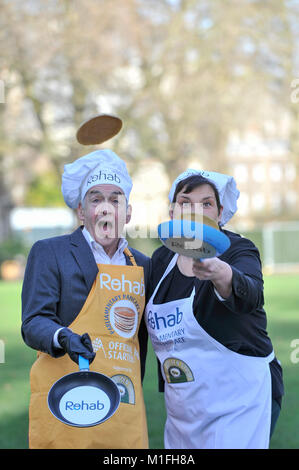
[{"x": 182, "y": 74}]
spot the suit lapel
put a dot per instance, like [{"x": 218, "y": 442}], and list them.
[{"x": 84, "y": 257}]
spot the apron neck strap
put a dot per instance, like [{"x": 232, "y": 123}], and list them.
[
  {"x": 130, "y": 256},
  {"x": 167, "y": 271}
]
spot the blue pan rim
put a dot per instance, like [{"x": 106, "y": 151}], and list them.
[{"x": 180, "y": 228}]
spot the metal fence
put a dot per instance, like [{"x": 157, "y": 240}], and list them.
[{"x": 278, "y": 244}]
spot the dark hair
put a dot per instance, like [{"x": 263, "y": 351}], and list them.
[{"x": 193, "y": 182}]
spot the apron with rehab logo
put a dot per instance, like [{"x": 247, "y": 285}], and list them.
[
  {"x": 111, "y": 316},
  {"x": 215, "y": 398}
]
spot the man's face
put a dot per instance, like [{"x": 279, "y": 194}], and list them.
[
  {"x": 200, "y": 201},
  {"x": 104, "y": 213}
]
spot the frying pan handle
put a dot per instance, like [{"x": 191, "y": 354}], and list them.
[{"x": 83, "y": 363}]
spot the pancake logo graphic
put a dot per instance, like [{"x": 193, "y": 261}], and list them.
[
  {"x": 177, "y": 371},
  {"x": 124, "y": 318},
  {"x": 125, "y": 387}
]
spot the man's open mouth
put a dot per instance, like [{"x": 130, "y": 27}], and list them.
[
  {"x": 105, "y": 225},
  {"x": 105, "y": 228}
]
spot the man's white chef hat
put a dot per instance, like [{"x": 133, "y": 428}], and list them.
[
  {"x": 99, "y": 167},
  {"x": 226, "y": 185}
]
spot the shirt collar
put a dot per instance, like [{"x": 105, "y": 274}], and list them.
[{"x": 122, "y": 244}]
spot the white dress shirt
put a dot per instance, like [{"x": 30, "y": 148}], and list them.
[{"x": 100, "y": 254}]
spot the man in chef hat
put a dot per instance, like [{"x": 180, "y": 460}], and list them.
[
  {"x": 84, "y": 294},
  {"x": 79, "y": 188}
]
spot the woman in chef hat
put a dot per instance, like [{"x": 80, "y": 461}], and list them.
[{"x": 207, "y": 324}]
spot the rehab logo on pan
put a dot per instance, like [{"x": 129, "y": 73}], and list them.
[{"x": 85, "y": 405}]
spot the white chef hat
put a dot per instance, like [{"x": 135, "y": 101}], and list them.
[
  {"x": 226, "y": 185},
  {"x": 99, "y": 167}
]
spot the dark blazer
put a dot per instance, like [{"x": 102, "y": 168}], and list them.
[{"x": 59, "y": 274}]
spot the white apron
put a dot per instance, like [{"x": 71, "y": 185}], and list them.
[{"x": 215, "y": 398}]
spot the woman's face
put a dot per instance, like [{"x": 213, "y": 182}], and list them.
[{"x": 201, "y": 201}]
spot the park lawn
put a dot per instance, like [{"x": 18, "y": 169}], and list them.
[{"x": 282, "y": 300}]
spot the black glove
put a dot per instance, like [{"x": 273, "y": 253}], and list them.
[{"x": 76, "y": 345}]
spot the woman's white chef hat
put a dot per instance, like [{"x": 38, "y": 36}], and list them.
[
  {"x": 99, "y": 167},
  {"x": 226, "y": 185}
]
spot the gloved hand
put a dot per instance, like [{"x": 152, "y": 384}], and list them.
[{"x": 76, "y": 345}]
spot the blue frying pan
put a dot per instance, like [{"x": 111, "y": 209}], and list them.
[
  {"x": 83, "y": 398},
  {"x": 192, "y": 238}
]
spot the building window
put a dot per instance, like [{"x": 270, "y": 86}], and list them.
[
  {"x": 241, "y": 173},
  {"x": 243, "y": 203},
  {"x": 276, "y": 201},
  {"x": 258, "y": 173},
  {"x": 291, "y": 198},
  {"x": 276, "y": 172},
  {"x": 290, "y": 172},
  {"x": 258, "y": 201}
]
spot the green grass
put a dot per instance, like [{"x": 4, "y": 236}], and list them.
[
  {"x": 14, "y": 373},
  {"x": 282, "y": 301},
  {"x": 282, "y": 306}
]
